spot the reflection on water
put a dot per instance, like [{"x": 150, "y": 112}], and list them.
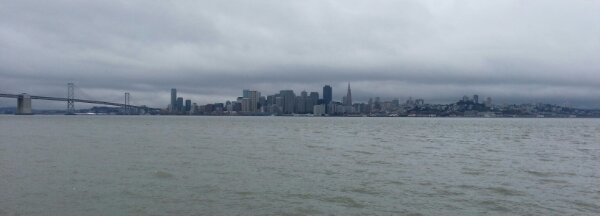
[{"x": 108, "y": 165}]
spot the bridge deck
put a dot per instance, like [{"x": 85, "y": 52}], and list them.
[{"x": 75, "y": 100}]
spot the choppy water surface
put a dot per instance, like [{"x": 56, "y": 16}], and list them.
[{"x": 109, "y": 165}]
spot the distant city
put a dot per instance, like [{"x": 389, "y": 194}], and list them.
[{"x": 287, "y": 103}]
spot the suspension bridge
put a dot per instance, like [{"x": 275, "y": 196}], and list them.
[{"x": 24, "y": 102}]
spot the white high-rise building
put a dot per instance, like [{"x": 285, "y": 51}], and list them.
[
  {"x": 250, "y": 101},
  {"x": 319, "y": 110}
]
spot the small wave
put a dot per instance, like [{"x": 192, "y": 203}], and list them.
[
  {"x": 345, "y": 201},
  {"x": 301, "y": 211},
  {"x": 318, "y": 147},
  {"x": 552, "y": 181},
  {"x": 302, "y": 196},
  {"x": 380, "y": 162},
  {"x": 475, "y": 172},
  {"x": 362, "y": 190},
  {"x": 448, "y": 191},
  {"x": 396, "y": 182},
  {"x": 549, "y": 174},
  {"x": 244, "y": 193},
  {"x": 506, "y": 191},
  {"x": 364, "y": 152},
  {"x": 360, "y": 170},
  {"x": 494, "y": 206},
  {"x": 587, "y": 206},
  {"x": 539, "y": 174},
  {"x": 471, "y": 187},
  {"x": 163, "y": 174}
]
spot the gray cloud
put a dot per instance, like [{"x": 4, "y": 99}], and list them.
[{"x": 513, "y": 51}]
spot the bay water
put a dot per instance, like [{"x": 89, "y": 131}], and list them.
[{"x": 169, "y": 165}]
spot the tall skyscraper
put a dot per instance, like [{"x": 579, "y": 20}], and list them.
[
  {"x": 348, "y": 101},
  {"x": 173, "y": 99},
  {"x": 179, "y": 104},
  {"x": 289, "y": 99},
  {"x": 302, "y": 103},
  {"x": 313, "y": 99},
  {"x": 188, "y": 105},
  {"x": 327, "y": 94},
  {"x": 476, "y": 99},
  {"x": 246, "y": 105}
]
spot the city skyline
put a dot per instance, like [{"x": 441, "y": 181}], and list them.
[
  {"x": 287, "y": 102},
  {"x": 336, "y": 96},
  {"x": 513, "y": 51}
]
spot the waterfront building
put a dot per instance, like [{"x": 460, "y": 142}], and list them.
[
  {"x": 262, "y": 102},
  {"x": 476, "y": 99},
  {"x": 300, "y": 105},
  {"x": 488, "y": 102},
  {"x": 236, "y": 106},
  {"x": 173, "y": 99},
  {"x": 228, "y": 106},
  {"x": 209, "y": 108},
  {"x": 288, "y": 101},
  {"x": 348, "y": 101},
  {"x": 245, "y": 93},
  {"x": 319, "y": 110},
  {"x": 377, "y": 104},
  {"x": 179, "y": 104},
  {"x": 253, "y": 97},
  {"x": 188, "y": 105},
  {"x": 313, "y": 99},
  {"x": 246, "y": 105},
  {"x": 338, "y": 108},
  {"x": 387, "y": 106},
  {"x": 279, "y": 102},
  {"x": 194, "y": 108},
  {"x": 465, "y": 99},
  {"x": 419, "y": 102},
  {"x": 327, "y": 94},
  {"x": 410, "y": 101},
  {"x": 396, "y": 103},
  {"x": 271, "y": 99}
]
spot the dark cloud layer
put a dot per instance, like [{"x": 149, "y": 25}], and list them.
[{"x": 511, "y": 50}]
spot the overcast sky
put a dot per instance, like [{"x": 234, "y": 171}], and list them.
[{"x": 511, "y": 50}]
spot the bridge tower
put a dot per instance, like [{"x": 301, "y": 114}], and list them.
[
  {"x": 24, "y": 104},
  {"x": 126, "y": 107},
  {"x": 70, "y": 98}
]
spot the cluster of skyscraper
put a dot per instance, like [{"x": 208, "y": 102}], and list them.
[
  {"x": 285, "y": 102},
  {"x": 177, "y": 105},
  {"x": 475, "y": 99}
]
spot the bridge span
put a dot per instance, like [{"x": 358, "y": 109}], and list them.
[{"x": 24, "y": 102}]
